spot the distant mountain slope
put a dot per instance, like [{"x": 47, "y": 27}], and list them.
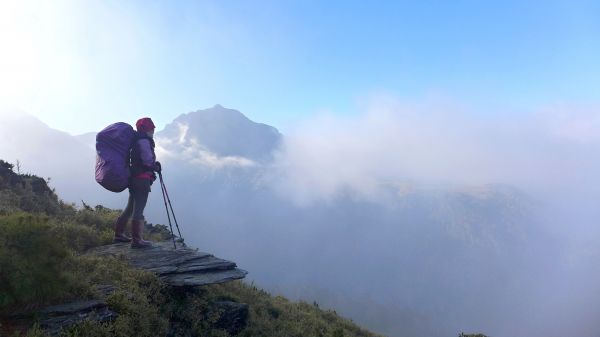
[
  {"x": 50, "y": 153},
  {"x": 88, "y": 138}
]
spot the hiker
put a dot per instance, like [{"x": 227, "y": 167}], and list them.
[{"x": 142, "y": 166}]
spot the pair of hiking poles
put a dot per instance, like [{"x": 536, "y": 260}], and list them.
[{"x": 168, "y": 200}]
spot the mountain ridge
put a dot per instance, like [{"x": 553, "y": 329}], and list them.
[{"x": 414, "y": 242}]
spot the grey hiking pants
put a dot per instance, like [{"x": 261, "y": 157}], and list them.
[{"x": 138, "y": 196}]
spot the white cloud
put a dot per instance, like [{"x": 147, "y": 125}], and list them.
[
  {"x": 438, "y": 143},
  {"x": 183, "y": 129},
  {"x": 197, "y": 154},
  {"x": 574, "y": 122},
  {"x": 189, "y": 149}
]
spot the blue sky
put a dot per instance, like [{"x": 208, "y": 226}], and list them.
[{"x": 79, "y": 66}]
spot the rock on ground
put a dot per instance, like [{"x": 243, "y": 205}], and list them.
[{"x": 180, "y": 266}]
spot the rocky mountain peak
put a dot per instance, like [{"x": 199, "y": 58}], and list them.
[{"x": 224, "y": 132}]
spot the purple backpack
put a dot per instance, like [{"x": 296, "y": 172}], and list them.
[{"x": 113, "y": 144}]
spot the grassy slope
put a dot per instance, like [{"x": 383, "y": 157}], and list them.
[{"x": 41, "y": 263}]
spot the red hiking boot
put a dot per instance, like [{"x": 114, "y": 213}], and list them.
[
  {"x": 120, "y": 236},
  {"x": 136, "y": 233}
]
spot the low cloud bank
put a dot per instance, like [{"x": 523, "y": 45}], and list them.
[
  {"x": 188, "y": 149},
  {"x": 552, "y": 154},
  {"x": 552, "y": 150}
]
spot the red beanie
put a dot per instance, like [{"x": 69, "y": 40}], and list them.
[{"x": 144, "y": 124}]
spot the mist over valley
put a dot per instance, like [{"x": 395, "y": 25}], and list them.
[{"x": 357, "y": 221}]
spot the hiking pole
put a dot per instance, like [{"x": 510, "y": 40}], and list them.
[
  {"x": 167, "y": 209},
  {"x": 171, "y": 207}
]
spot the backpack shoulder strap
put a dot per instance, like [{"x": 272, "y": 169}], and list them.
[{"x": 140, "y": 135}]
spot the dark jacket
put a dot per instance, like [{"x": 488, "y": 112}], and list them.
[{"x": 143, "y": 158}]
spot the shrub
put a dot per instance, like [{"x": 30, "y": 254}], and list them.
[
  {"x": 277, "y": 316},
  {"x": 32, "y": 261},
  {"x": 26, "y": 192},
  {"x": 9, "y": 202},
  {"x": 137, "y": 299},
  {"x": 100, "y": 217},
  {"x": 80, "y": 238}
]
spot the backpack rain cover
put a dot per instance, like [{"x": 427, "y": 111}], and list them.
[{"x": 113, "y": 144}]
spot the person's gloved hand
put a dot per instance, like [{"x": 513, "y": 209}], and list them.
[{"x": 157, "y": 166}]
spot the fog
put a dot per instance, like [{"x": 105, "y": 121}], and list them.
[
  {"x": 548, "y": 150},
  {"x": 412, "y": 218},
  {"x": 550, "y": 155}
]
